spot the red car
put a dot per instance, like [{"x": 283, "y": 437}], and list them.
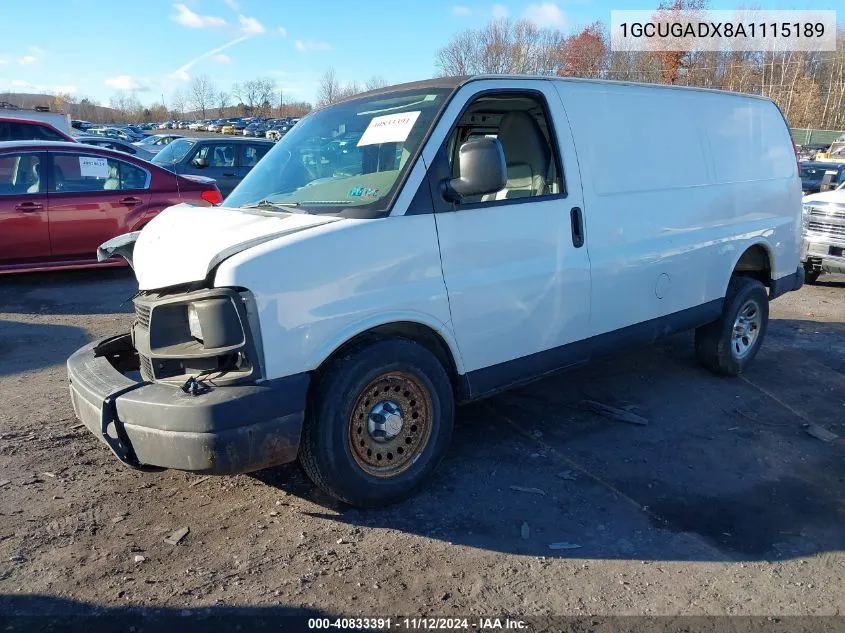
[{"x": 59, "y": 201}]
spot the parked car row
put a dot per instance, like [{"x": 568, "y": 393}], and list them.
[
  {"x": 256, "y": 127},
  {"x": 60, "y": 200}
]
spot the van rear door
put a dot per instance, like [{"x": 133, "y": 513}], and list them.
[{"x": 515, "y": 262}]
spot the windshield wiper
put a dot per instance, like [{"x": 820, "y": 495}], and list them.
[{"x": 269, "y": 203}]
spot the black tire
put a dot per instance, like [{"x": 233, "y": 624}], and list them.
[
  {"x": 812, "y": 276},
  {"x": 715, "y": 346},
  {"x": 337, "y": 434}
]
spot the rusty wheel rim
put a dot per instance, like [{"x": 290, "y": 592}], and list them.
[{"x": 390, "y": 424}]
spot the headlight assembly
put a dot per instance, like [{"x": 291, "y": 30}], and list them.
[{"x": 215, "y": 323}]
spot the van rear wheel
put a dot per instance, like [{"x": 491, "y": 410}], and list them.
[
  {"x": 726, "y": 346},
  {"x": 379, "y": 423}
]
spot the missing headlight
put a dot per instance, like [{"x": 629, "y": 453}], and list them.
[{"x": 194, "y": 325}]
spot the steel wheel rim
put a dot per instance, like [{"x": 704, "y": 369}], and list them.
[
  {"x": 746, "y": 329},
  {"x": 385, "y": 442}
]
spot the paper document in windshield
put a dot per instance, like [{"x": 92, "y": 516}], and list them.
[{"x": 390, "y": 128}]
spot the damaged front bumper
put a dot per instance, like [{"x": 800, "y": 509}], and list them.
[{"x": 227, "y": 429}]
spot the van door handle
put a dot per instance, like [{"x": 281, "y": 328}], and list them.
[
  {"x": 130, "y": 201},
  {"x": 577, "y": 220},
  {"x": 29, "y": 207},
  {"x": 231, "y": 175}
]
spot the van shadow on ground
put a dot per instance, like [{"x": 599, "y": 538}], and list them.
[
  {"x": 26, "y": 347},
  {"x": 69, "y": 292},
  {"x": 723, "y": 471}
]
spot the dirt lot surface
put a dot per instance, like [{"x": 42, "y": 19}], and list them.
[{"x": 722, "y": 504}]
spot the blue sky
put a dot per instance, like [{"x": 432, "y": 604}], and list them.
[{"x": 98, "y": 47}]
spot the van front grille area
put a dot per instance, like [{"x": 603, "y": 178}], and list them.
[{"x": 142, "y": 315}]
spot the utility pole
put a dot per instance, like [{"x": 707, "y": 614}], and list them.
[{"x": 281, "y": 101}]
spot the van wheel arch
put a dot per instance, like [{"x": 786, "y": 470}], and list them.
[
  {"x": 417, "y": 332},
  {"x": 755, "y": 262}
]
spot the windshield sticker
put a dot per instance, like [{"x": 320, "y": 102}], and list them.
[
  {"x": 90, "y": 167},
  {"x": 363, "y": 192},
  {"x": 390, "y": 128}
]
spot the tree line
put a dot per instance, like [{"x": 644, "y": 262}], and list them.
[
  {"x": 809, "y": 87},
  {"x": 201, "y": 99},
  {"x": 253, "y": 97}
]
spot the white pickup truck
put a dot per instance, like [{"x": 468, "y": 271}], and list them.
[
  {"x": 824, "y": 233},
  {"x": 429, "y": 244}
]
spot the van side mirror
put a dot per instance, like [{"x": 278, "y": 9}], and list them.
[
  {"x": 481, "y": 163},
  {"x": 200, "y": 162}
]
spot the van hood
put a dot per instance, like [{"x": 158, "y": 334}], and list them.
[{"x": 182, "y": 244}]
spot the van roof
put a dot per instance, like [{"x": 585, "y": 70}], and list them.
[{"x": 456, "y": 82}]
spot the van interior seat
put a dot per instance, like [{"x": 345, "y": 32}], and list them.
[{"x": 527, "y": 156}]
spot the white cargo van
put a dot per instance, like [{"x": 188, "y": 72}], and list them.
[
  {"x": 58, "y": 120},
  {"x": 428, "y": 244}
]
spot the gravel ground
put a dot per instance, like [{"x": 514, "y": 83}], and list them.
[{"x": 722, "y": 504}]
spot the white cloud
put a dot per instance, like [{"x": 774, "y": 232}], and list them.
[
  {"x": 234, "y": 6},
  {"x": 500, "y": 11},
  {"x": 27, "y": 59},
  {"x": 460, "y": 10},
  {"x": 251, "y": 26},
  {"x": 42, "y": 89},
  {"x": 3, "y": 61},
  {"x": 124, "y": 82},
  {"x": 546, "y": 15},
  {"x": 283, "y": 31},
  {"x": 305, "y": 46},
  {"x": 222, "y": 59},
  {"x": 186, "y": 17}
]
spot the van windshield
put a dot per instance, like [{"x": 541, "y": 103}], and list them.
[{"x": 351, "y": 155}]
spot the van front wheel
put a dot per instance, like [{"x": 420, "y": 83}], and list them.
[
  {"x": 726, "y": 346},
  {"x": 379, "y": 423}
]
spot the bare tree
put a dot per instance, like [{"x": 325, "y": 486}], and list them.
[
  {"x": 375, "y": 82},
  {"x": 502, "y": 47},
  {"x": 331, "y": 89},
  {"x": 222, "y": 99},
  {"x": 179, "y": 101},
  {"x": 265, "y": 89},
  {"x": 328, "y": 90},
  {"x": 296, "y": 108},
  {"x": 126, "y": 106},
  {"x": 248, "y": 93},
  {"x": 202, "y": 93}
]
